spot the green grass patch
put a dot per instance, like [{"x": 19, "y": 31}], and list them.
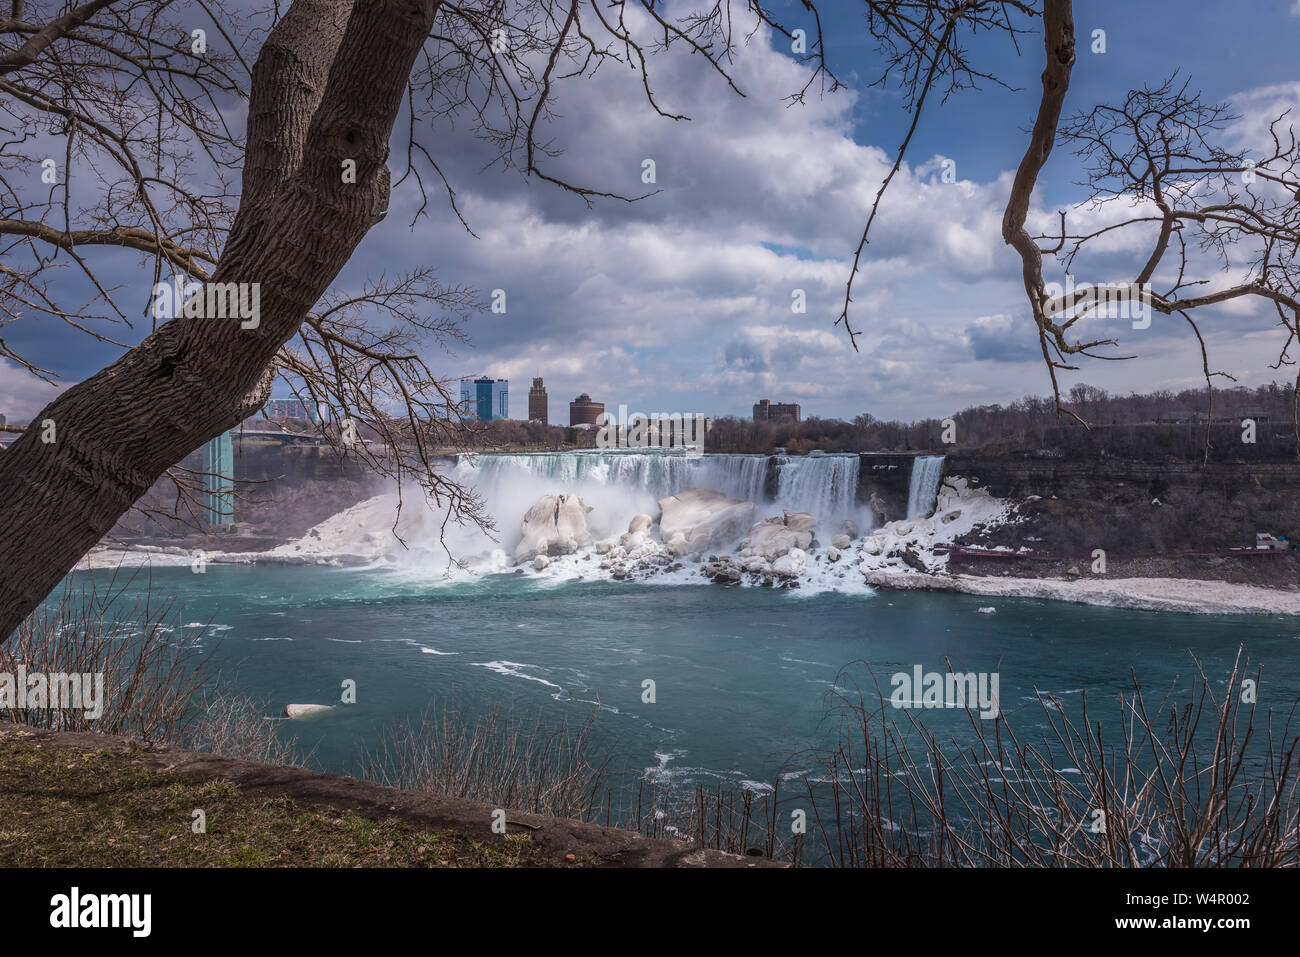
[{"x": 64, "y": 808}]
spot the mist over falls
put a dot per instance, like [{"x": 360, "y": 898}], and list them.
[{"x": 620, "y": 485}]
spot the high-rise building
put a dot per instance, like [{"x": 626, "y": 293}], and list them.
[
  {"x": 537, "y": 411},
  {"x": 766, "y": 410},
  {"x": 485, "y": 398},
  {"x": 582, "y": 411}
]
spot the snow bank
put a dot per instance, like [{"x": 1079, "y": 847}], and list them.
[
  {"x": 959, "y": 509},
  {"x": 1151, "y": 594}
]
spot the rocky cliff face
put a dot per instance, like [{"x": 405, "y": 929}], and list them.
[
  {"x": 883, "y": 482},
  {"x": 1138, "y": 507}
]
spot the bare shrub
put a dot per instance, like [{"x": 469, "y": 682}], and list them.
[
  {"x": 1186, "y": 784},
  {"x": 236, "y": 726},
  {"x": 505, "y": 760},
  {"x": 159, "y": 685},
  {"x": 152, "y": 670},
  {"x": 737, "y": 820}
]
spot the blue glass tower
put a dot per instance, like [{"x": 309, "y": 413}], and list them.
[{"x": 485, "y": 399}]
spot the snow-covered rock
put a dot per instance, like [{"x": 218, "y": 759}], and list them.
[
  {"x": 907, "y": 547},
  {"x": 699, "y": 519},
  {"x": 791, "y": 563},
  {"x": 638, "y": 530},
  {"x": 800, "y": 521},
  {"x": 302, "y": 710},
  {"x": 776, "y": 536},
  {"x": 556, "y": 525}
]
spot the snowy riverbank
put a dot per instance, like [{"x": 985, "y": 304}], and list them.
[{"x": 1151, "y": 594}]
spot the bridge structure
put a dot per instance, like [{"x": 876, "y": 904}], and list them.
[{"x": 219, "y": 480}]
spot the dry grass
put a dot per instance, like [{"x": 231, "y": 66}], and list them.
[
  {"x": 1188, "y": 782},
  {"x": 504, "y": 760},
  {"x": 63, "y": 807},
  {"x": 159, "y": 685},
  {"x": 152, "y": 670}
]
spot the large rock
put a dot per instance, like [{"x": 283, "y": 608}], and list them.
[
  {"x": 910, "y": 556},
  {"x": 638, "y": 530},
  {"x": 556, "y": 525},
  {"x": 699, "y": 519},
  {"x": 790, "y": 564},
  {"x": 723, "y": 572},
  {"x": 800, "y": 521},
  {"x": 774, "y": 537}
]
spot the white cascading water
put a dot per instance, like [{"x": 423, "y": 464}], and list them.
[
  {"x": 619, "y": 485},
  {"x": 924, "y": 488},
  {"x": 825, "y": 485}
]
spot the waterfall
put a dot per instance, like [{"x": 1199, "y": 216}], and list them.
[
  {"x": 621, "y": 484},
  {"x": 825, "y": 485},
  {"x": 658, "y": 474},
  {"x": 924, "y": 488}
]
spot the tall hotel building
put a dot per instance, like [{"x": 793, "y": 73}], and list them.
[
  {"x": 485, "y": 399},
  {"x": 537, "y": 410}
]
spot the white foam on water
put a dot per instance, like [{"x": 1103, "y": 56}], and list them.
[{"x": 511, "y": 670}]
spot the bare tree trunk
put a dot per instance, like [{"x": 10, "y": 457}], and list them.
[{"x": 326, "y": 88}]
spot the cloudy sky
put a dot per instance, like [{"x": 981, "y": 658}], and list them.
[{"x": 682, "y": 302}]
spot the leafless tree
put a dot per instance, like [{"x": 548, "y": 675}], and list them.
[
  {"x": 1159, "y": 160},
  {"x": 1223, "y": 225},
  {"x": 135, "y": 101}
]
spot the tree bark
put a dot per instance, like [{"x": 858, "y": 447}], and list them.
[{"x": 326, "y": 87}]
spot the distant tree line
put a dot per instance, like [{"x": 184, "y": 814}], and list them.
[{"x": 1162, "y": 425}]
